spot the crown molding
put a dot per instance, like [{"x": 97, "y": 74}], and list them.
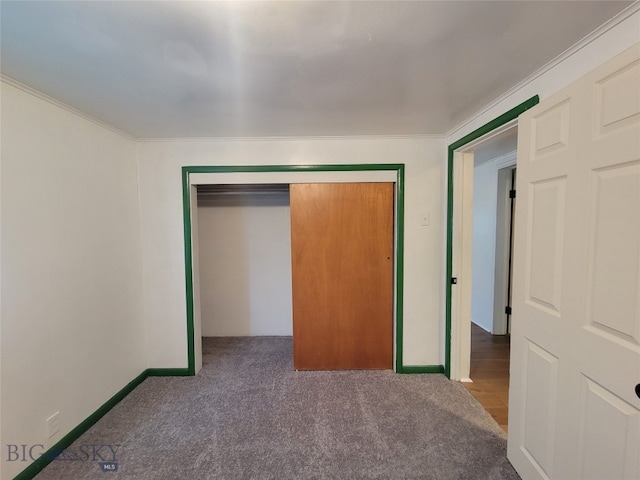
[
  {"x": 593, "y": 36},
  {"x": 289, "y": 138},
  {"x": 507, "y": 159},
  {"x": 64, "y": 106},
  {"x": 501, "y": 161}
]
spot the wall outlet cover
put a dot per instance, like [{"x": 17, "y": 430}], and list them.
[{"x": 53, "y": 426}]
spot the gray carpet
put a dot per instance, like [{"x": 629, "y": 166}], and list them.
[{"x": 248, "y": 415}]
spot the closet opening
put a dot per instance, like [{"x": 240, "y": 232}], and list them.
[
  {"x": 228, "y": 187},
  {"x": 244, "y": 239}
]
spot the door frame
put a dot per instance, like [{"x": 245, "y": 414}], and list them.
[
  {"x": 189, "y": 205},
  {"x": 459, "y": 235},
  {"x": 504, "y": 230}
]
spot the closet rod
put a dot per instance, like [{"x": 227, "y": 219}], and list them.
[{"x": 242, "y": 189}]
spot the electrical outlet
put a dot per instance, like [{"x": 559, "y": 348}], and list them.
[{"x": 53, "y": 426}]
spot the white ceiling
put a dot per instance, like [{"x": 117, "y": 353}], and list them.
[{"x": 285, "y": 68}]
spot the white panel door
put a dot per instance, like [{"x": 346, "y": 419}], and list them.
[{"x": 575, "y": 353}]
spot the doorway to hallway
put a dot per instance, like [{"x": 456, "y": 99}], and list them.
[
  {"x": 494, "y": 198},
  {"x": 483, "y": 173}
]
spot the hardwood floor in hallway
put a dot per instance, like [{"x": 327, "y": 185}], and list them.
[{"x": 490, "y": 373}]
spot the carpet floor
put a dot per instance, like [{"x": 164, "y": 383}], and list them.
[{"x": 248, "y": 415}]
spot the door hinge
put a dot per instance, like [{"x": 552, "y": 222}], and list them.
[
  {"x": 507, "y": 310},
  {"x": 454, "y": 280},
  {"x": 512, "y": 194}
]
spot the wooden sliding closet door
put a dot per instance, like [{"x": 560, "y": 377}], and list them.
[{"x": 342, "y": 273}]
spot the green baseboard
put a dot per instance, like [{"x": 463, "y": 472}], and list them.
[
  {"x": 43, "y": 460},
  {"x": 46, "y": 458},
  {"x": 168, "y": 372},
  {"x": 422, "y": 369}
]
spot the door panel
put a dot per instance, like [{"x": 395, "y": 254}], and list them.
[
  {"x": 603, "y": 411},
  {"x": 576, "y": 308},
  {"x": 342, "y": 274},
  {"x": 614, "y": 279},
  {"x": 542, "y": 377},
  {"x": 544, "y": 264}
]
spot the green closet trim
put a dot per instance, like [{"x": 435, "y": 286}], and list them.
[
  {"x": 399, "y": 250},
  {"x": 483, "y": 130}
]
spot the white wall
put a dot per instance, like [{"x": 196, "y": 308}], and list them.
[
  {"x": 72, "y": 334},
  {"x": 485, "y": 203},
  {"x": 160, "y": 165},
  {"x": 245, "y": 264}
]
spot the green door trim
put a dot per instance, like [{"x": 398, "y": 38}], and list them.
[
  {"x": 483, "y": 130},
  {"x": 399, "y": 250}
]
